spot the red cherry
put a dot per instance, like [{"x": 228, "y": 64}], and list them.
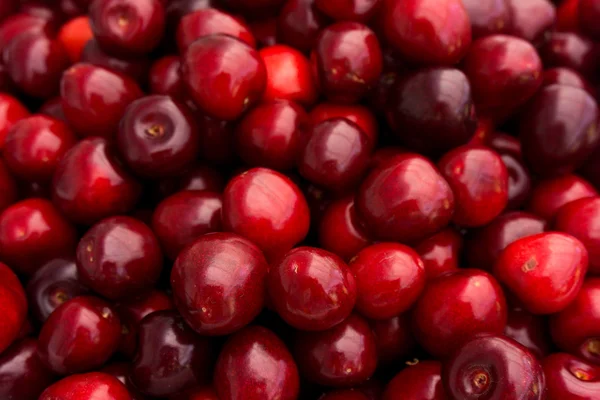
[
  {"x": 90, "y": 386},
  {"x": 11, "y": 111},
  {"x": 568, "y": 77},
  {"x": 134, "y": 68},
  {"x": 568, "y": 377},
  {"x": 349, "y": 10},
  {"x": 394, "y": 338},
  {"x": 198, "y": 177},
  {"x": 13, "y": 306},
  {"x": 360, "y": 115},
  {"x": 121, "y": 372},
  {"x": 299, "y": 24},
  {"x": 567, "y": 18},
  {"x": 22, "y": 23},
  {"x": 440, "y": 253},
  {"x": 8, "y": 187},
  {"x": 529, "y": 330},
  {"x": 7, "y": 8},
  {"x": 588, "y": 13},
  {"x": 488, "y": 17},
  {"x": 165, "y": 77},
  {"x": 531, "y": 20},
  {"x": 419, "y": 381},
  {"x": 571, "y": 50}
]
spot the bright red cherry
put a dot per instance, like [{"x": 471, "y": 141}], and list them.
[
  {"x": 529, "y": 330},
  {"x": 255, "y": 364},
  {"x": 531, "y": 20},
  {"x": 8, "y": 187},
  {"x": 440, "y": 253},
  {"x": 360, "y": 115},
  {"x": 588, "y": 13},
  {"x": 90, "y": 386},
  {"x": 165, "y": 77},
  {"x": 488, "y": 17},
  {"x": 349, "y": 10},
  {"x": 419, "y": 381},
  {"x": 11, "y": 111},
  {"x": 299, "y": 24},
  {"x": 134, "y": 68},
  {"x": 568, "y": 377},
  {"x": 13, "y": 305},
  {"x": 394, "y": 338},
  {"x": 544, "y": 271}
]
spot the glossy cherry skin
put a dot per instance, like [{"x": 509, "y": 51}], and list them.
[
  {"x": 135, "y": 68},
  {"x": 344, "y": 394},
  {"x": 440, "y": 252},
  {"x": 347, "y": 60},
  {"x": 420, "y": 381},
  {"x": 488, "y": 17},
  {"x": 312, "y": 289},
  {"x": 531, "y": 20},
  {"x": 576, "y": 329},
  {"x": 89, "y": 386},
  {"x": 568, "y": 377},
  {"x": 394, "y": 338},
  {"x": 550, "y": 195},
  {"x": 455, "y": 306},
  {"x": 22, "y": 374},
  {"x": 79, "y": 335},
  {"x": 504, "y": 72},
  {"x": 588, "y": 13},
  {"x": 544, "y": 271},
  {"x": 21, "y": 23},
  {"x": 571, "y": 50},
  {"x": 165, "y": 77},
  {"x": 389, "y": 279},
  {"x": 495, "y": 368},
  {"x": 35, "y": 145},
  {"x": 158, "y": 137},
  {"x": 360, "y": 115},
  {"x": 171, "y": 357},
  {"x": 529, "y": 330},
  {"x": 8, "y": 187},
  {"x": 267, "y": 208},
  {"x": 255, "y": 364},
  {"x": 89, "y": 184},
  {"x": 299, "y": 24},
  {"x": 269, "y": 135},
  {"x": 13, "y": 306},
  {"x": 349, "y": 10},
  {"x": 53, "y": 284},
  {"x": 11, "y": 111},
  {"x": 335, "y": 154},
  {"x": 431, "y": 110},
  {"x": 484, "y": 245},
  {"x": 568, "y": 77},
  {"x": 345, "y": 355},
  {"x": 479, "y": 180},
  {"x": 127, "y": 27},
  {"x": 223, "y": 75},
  {"x": 211, "y": 303},
  {"x": 94, "y": 99},
  {"x": 404, "y": 200},
  {"x": 427, "y": 31},
  {"x": 33, "y": 232}
]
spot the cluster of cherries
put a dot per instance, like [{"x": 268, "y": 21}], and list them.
[{"x": 299, "y": 199}]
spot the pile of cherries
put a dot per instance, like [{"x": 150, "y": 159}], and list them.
[{"x": 299, "y": 199}]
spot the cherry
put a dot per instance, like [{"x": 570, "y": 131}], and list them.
[
  {"x": 568, "y": 377},
  {"x": 440, "y": 252},
  {"x": 405, "y": 200},
  {"x": 484, "y": 245},
  {"x": 79, "y": 335},
  {"x": 349, "y": 10},
  {"x": 177, "y": 9},
  {"x": 134, "y": 68},
  {"x": 44, "y": 11},
  {"x": 255, "y": 364},
  {"x": 90, "y": 185},
  {"x": 11, "y": 111},
  {"x": 344, "y": 355},
  {"x": 493, "y": 367},
  {"x": 22, "y": 374},
  {"x": 312, "y": 289},
  {"x": 94, "y": 99},
  {"x": 121, "y": 372},
  {"x": 488, "y": 17},
  {"x": 418, "y": 381},
  {"x": 531, "y": 20},
  {"x": 165, "y": 77},
  {"x": 53, "y": 284},
  {"x": 360, "y": 115},
  {"x": 544, "y": 271},
  {"x": 394, "y": 338},
  {"x": 33, "y": 232},
  {"x": 13, "y": 306},
  {"x": 567, "y": 16},
  {"x": 568, "y": 77},
  {"x": 343, "y": 394},
  {"x": 8, "y": 187},
  {"x": 431, "y": 110},
  {"x": 90, "y": 386},
  {"x": 267, "y": 208},
  {"x": 576, "y": 329},
  {"x": 198, "y": 177},
  {"x": 588, "y": 13},
  {"x": 289, "y": 75},
  {"x": 171, "y": 357},
  {"x": 35, "y": 145},
  {"x": 504, "y": 72},
  {"x": 269, "y": 135},
  {"x": 223, "y": 75},
  {"x": 21, "y": 23},
  {"x": 124, "y": 27},
  {"x": 211, "y": 303},
  {"x": 8, "y": 8},
  {"x": 347, "y": 60},
  {"x": 571, "y": 50},
  {"x": 335, "y": 154},
  {"x": 529, "y": 330},
  {"x": 299, "y": 24},
  {"x": 74, "y": 34},
  {"x": 454, "y": 307}
]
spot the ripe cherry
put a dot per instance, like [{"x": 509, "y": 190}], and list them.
[
  {"x": 488, "y": 17},
  {"x": 568, "y": 377},
  {"x": 134, "y": 68},
  {"x": 394, "y": 338},
  {"x": 588, "y": 13},
  {"x": 90, "y": 386},
  {"x": 571, "y": 50},
  {"x": 360, "y": 115},
  {"x": 349, "y": 10},
  {"x": 440, "y": 252},
  {"x": 419, "y": 381},
  {"x": 529, "y": 330},
  {"x": 11, "y": 111},
  {"x": 165, "y": 77},
  {"x": 13, "y": 306},
  {"x": 299, "y": 24},
  {"x": 531, "y": 20}
]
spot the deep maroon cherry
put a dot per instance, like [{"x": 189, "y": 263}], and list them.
[
  {"x": 531, "y": 20},
  {"x": 394, "y": 338},
  {"x": 89, "y": 183},
  {"x": 32, "y": 232},
  {"x": 299, "y": 24},
  {"x": 11, "y": 111},
  {"x": 344, "y": 394},
  {"x": 52, "y": 285},
  {"x": 80, "y": 335},
  {"x": 550, "y": 195},
  {"x": 568, "y": 377},
  {"x": 312, "y": 289},
  {"x": 171, "y": 357},
  {"x": 121, "y": 370},
  {"x": 588, "y": 13},
  {"x": 405, "y": 200},
  {"x": 223, "y": 75},
  {"x": 267, "y": 208},
  {"x": 349, "y": 10},
  {"x": 360, "y": 115},
  {"x": 177, "y": 9},
  {"x": 569, "y": 77},
  {"x": 134, "y": 68},
  {"x": 165, "y": 77},
  {"x": 8, "y": 187},
  {"x": 571, "y": 50},
  {"x": 344, "y": 355},
  {"x": 440, "y": 253},
  {"x": 493, "y": 367},
  {"x": 255, "y": 364},
  {"x": 529, "y": 330},
  {"x": 544, "y": 271},
  {"x": 488, "y": 17},
  {"x": 417, "y": 381},
  {"x": 89, "y": 386},
  {"x": 13, "y": 305},
  {"x": 455, "y": 306}
]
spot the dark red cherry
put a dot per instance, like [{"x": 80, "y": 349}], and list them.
[
  {"x": 405, "y": 200},
  {"x": 53, "y": 284},
  {"x": 493, "y": 367},
  {"x": 32, "y": 232},
  {"x": 455, "y": 306},
  {"x": 165, "y": 77},
  {"x": 90, "y": 386},
  {"x": 94, "y": 99},
  {"x": 431, "y": 110},
  {"x": 79, "y": 336},
  {"x": 360, "y": 115},
  {"x": 223, "y": 75},
  {"x": 171, "y": 357},
  {"x": 89, "y": 183},
  {"x": 394, "y": 338},
  {"x": 571, "y": 50},
  {"x": 11, "y": 111},
  {"x": 13, "y": 305},
  {"x": 544, "y": 271},
  {"x": 588, "y": 13},
  {"x": 550, "y": 195},
  {"x": 531, "y": 20},
  {"x": 8, "y": 187},
  {"x": 177, "y": 9},
  {"x": 255, "y": 364},
  {"x": 8, "y": 8},
  {"x": 21, "y": 23},
  {"x": 134, "y": 68},
  {"x": 344, "y": 394},
  {"x": 299, "y": 24},
  {"x": 440, "y": 253},
  {"x": 349, "y": 10},
  {"x": 345, "y": 355},
  {"x": 417, "y": 381},
  {"x": 567, "y": 16},
  {"x": 529, "y": 330},
  {"x": 568, "y": 377},
  {"x": 35, "y": 145},
  {"x": 312, "y": 289},
  {"x": 568, "y": 77},
  {"x": 488, "y": 17}
]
